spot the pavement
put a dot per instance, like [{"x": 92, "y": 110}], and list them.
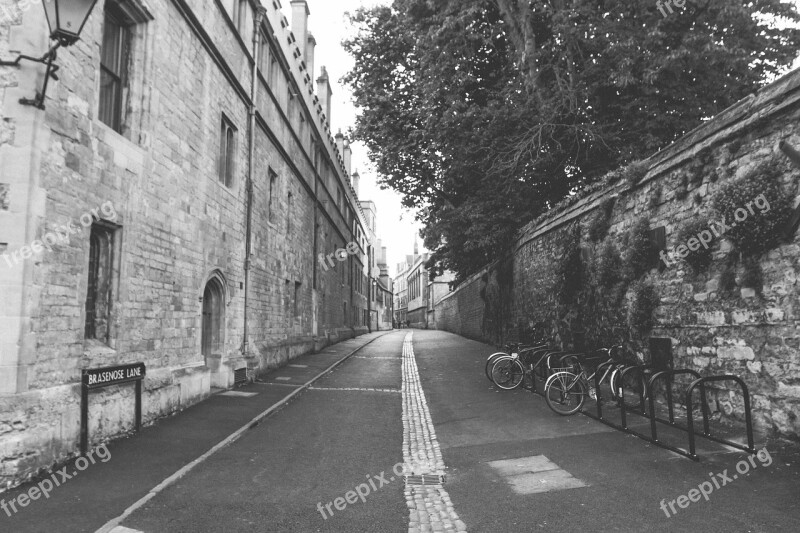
[
  {"x": 331, "y": 459},
  {"x": 139, "y": 463}
]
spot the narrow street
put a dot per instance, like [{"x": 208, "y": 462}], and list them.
[
  {"x": 509, "y": 462},
  {"x": 254, "y": 254}
]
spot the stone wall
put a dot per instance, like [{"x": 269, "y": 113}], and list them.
[
  {"x": 178, "y": 225},
  {"x": 749, "y": 329}
]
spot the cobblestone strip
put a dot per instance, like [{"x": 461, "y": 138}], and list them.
[
  {"x": 353, "y": 389},
  {"x": 430, "y": 508}
]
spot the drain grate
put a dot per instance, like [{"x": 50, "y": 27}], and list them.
[
  {"x": 425, "y": 479},
  {"x": 239, "y": 377}
]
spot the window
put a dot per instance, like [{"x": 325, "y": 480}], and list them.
[
  {"x": 297, "y": 298},
  {"x": 213, "y": 309},
  {"x": 302, "y": 132},
  {"x": 289, "y": 214},
  {"x": 273, "y": 178},
  {"x": 344, "y": 312},
  {"x": 290, "y": 103},
  {"x": 227, "y": 152},
  {"x": 287, "y": 303},
  {"x": 100, "y": 283},
  {"x": 314, "y": 154},
  {"x": 240, "y": 15},
  {"x": 272, "y": 73},
  {"x": 264, "y": 55},
  {"x": 113, "y": 68}
]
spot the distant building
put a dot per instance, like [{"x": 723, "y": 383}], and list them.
[
  {"x": 401, "y": 286},
  {"x": 416, "y": 293},
  {"x": 438, "y": 288},
  {"x": 385, "y": 292},
  {"x": 380, "y": 286}
]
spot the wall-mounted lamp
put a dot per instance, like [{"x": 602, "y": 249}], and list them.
[{"x": 66, "y": 19}]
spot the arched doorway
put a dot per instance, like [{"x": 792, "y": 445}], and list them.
[{"x": 213, "y": 320}]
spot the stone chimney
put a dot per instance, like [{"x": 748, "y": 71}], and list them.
[
  {"x": 356, "y": 179},
  {"x": 325, "y": 94},
  {"x": 300, "y": 14},
  {"x": 339, "y": 138},
  {"x": 348, "y": 157},
  {"x": 416, "y": 246},
  {"x": 310, "y": 49}
]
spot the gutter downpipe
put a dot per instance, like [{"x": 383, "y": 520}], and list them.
[{"x": 251, "y": 140}]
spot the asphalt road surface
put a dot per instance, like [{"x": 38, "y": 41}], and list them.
[{"x": 328, "y": 461}]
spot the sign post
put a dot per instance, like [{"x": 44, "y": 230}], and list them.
[{"x": 96, "y": 378}]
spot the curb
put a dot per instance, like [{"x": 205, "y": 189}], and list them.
[{"x": 233, "y": 437}]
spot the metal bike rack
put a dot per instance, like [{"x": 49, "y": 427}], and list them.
[
  {"x": 653, "y": 439},
  {"x": 699, "y": 382},
  {"x": 545, "y": 354},
  {"x": 536, "y": 356},
  {"x": 620, "y": 401},
  {"x": 690, "y": 420},
  {"x": 646, "y": 390},
  {"x": 669, "y": 374}
]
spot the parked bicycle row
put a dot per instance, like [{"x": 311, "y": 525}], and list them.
[
  {"x": 570, "y": 378},
  {"x": 567, "y": 376}
]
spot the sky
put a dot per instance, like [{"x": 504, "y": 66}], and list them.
[{"x": 396, "y": 225}]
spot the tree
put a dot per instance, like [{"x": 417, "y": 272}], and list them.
[{"x": 484, "y": 113}]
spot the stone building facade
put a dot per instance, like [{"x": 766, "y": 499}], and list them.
[
  {"x": 417, "y": 283},
  {"x": 179, "y": 202},
  {"x": 719, "y": 320}
]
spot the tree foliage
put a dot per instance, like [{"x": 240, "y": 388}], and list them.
[{"x": 484, "y": 113}]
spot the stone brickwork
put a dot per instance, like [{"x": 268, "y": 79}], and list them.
[
  {"x": 751, "y": 332},
  {"x": 178, "y": 226},
  {"x": 462, "y": 311}
]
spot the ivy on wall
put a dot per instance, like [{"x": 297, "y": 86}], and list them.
[
  {"x": 601, "y": 222},
  {"x": 699, "y": 259},
  {"x": 593, "y": 290},
  {"x": 591, "y": 284},
  {"x": 756, "y": 208}
]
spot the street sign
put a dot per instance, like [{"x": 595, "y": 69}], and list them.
[
  {"x": 103, "y": 377},
  {"x": 95, "y": 378}
]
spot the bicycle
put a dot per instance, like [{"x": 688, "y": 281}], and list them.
[
  {"x": 568, "y": 387},
  {"x": 509, "y": 372},
  {"x": 513, "y": 348}
]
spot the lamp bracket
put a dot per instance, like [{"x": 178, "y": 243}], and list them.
[{"x": 47, "y": 59}]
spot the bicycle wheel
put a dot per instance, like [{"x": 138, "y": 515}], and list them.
[
  {"x": 491, "y": 361},
  {"x": 507, "y": 373},
  {"x": 565, "y": 393}
]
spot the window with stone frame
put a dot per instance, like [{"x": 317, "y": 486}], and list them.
[
  {"x": 122, "y": 41},
  {"x": 227, "y": 152},
  {"x": 267, "y": 63},
  {"x": 114, "y": 52},
  {"x": 289, "y": 213},
  {"x": 212, "y": 332},
  {"x": 273, "y": 184},
  {"x": 297, "y": 295},
  {"x": 291, "y": 103},
  {"x": 240, "y": 8},
  {"x": 101, "y": 281}
]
